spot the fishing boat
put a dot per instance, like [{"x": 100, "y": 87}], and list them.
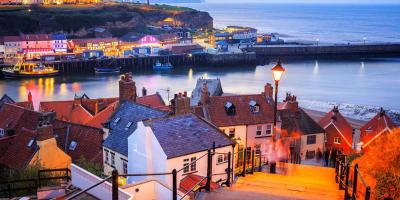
[
  {"x": 29, "y": 70},
  {"x": 159, "y": 66},
  {"x": 107, "y": 70}
]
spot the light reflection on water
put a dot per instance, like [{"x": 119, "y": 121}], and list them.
[{"x": 349, "y": 81}]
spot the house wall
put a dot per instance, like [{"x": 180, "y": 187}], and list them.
[
  {"x": 119, "y": 158},
  {"x": 240, "y": 132},
  {"x": 149, "y": 189},
  {"x": 264, "y": 140},
  {"x": 201, "y": 165},
  {"x": 59, "y": 46},
  {"x": 319, "y": 143},
  {"x": 12, "y": 48},
  {"x": 331, "y": 133},
  {"x": 50, "y": 156}
]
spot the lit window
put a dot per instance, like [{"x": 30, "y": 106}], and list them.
[
  {"x": 30, "y": 143},
  {"x": 311, "y": 139},
  {"x": 268, "y": 130},
  {"x": 337, "y": 140},
  {"x": 259, "y": 131},
  {"x": 72, "y": 145}
]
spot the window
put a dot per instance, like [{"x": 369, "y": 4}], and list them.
[
  {"x": 310, "y": 154},
  {"x": 72, "y": 145},
  {"x": 311, "y": 139},
  {"x": 230, "y": 108},
  {"x": 186, "y": 165},
  {"x": 124, "y": 166},
  {"x": 107, "y": 160},
  {"x": 232, "y": 132},
  {"x": 128, "y": 125},
  {"x": 220, "y": 159},
  {"x": 1, "y": 132},
  {"x": 254, "y": 107},
  {"x": 257, "y": 149},
  {"x": 193, "y": 166},
  {"x": 112, "y": 159},
  {"x": 337, "y": 140},
  {"x": 259, "y": 131},
  {"x": 117, "y": 120},
  {"x": 268, "y": 130},
  {"x": 30, "y": 143}
]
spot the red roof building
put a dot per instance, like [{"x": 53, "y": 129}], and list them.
[
  {"x": 339, "y": 132},
  {"x": 189, "y": 182},
  {"x": 378, "y": 125}
]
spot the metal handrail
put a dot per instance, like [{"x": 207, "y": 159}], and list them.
[
  {"x": 191, "y": 189},
  {"x": 87, "y": 189},
  {"x": 153, "y": 174},
  {"x": 192, "y": 162},
  {"x": 361, "y": 178}
]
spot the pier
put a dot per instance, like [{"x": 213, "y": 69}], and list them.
[{"x": 326, "y": 50}]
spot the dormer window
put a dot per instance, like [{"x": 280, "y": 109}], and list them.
[
  {"x": 128, "y": 125},
  {"x": 72, "y": 145},
  {"x": 254, "y": 107},
  {"x": 230, "y": 108},
  {"x": 30, "y": 143},
  {"x": 117, "y": 120}
]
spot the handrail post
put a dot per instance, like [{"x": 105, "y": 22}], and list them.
[
  {"x": 174, "y": 185},
  {"x": 209, "y": 170},
  {"x": 228, "y": 178},
  {"x": 252, "y": 161},
  {"x": 368, "y": 193},
  {"x": 244, "y": 162},
  {"x": 346, "y": 186},
  {"x": 114, "y": 184},
  {"x": 340, "y": 175},
  {"x": 259, "y": 164},
  {"x": 336, "y": 170},
  {"x": 39, "y": 182},
  {"x": 353, "y": 196}
]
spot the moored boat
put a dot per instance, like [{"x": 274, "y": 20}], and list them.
[
  {"x": 29, "y": 70},
  {"x": 107, "y": 70},
  {"x": 159, "y": 66}
]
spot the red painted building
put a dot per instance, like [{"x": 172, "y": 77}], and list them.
[
  {"x": 377, "y": 126},
  {"x": 339, "y": 132}
]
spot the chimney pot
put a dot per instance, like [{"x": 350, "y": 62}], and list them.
[{"x": 185, "y": 94}]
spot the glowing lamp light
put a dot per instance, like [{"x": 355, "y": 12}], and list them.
[
  {"x": 277, "y": 71},
  {"x": 238, "y": 140},
  {"x": 121, "y": 181}
]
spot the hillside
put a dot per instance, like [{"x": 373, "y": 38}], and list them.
[{"x": 76, "y": 20}]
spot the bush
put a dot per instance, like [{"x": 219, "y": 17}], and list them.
[{"x": 93, "y": 168}]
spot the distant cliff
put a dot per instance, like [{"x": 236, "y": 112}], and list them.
[{"x": 77, "y": 20}]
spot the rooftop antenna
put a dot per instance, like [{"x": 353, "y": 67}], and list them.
[{"x": 168, "y": 90}]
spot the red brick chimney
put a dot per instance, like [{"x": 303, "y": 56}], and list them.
[
  {"x": 181, "y": 104},
  {"x": 127, "y": 88},
  {"x": 205, "y": 95},
  {"x": 30, "y": 97},
  {"x": 291, "y": 102},
  {"x": 77, "y": 100},
  {"x": 268, "y": 90},
  {"x": 44, "y": 131}
]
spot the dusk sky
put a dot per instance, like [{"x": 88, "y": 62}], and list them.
[{"x": 311, "y": 1}]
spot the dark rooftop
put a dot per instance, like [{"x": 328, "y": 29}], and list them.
[
  {"x": 185, "y": 134},
  {"x": 123, "y": 123}
]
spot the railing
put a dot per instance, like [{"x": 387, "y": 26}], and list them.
[
  {"x": 18, "y": 186},
  {"x": 210, "y": 153},
  {"x": 350, "y": 183},
  {"x": 249, "y": 162}
]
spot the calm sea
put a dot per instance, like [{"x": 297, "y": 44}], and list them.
[
  {"x": 329, "y": 23},
  {"x": 317, "y": 83}
]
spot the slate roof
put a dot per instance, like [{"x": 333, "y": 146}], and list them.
[
  {"x": 298, "y": 122},
  {"x": 117, "y": 139},
  {"x": 244, "y": 116},
  {"x": 6, "y": 99},
  {"x": 213, "y": 85},
  {"x": 186, "y": 134}
]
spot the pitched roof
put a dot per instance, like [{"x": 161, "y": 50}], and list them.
[
  {"x": 298, "y": 122},
  {"x": 379, "y": 123},
  {"x": 334, "y": 117},
  {"x": 127, "y": 112},
  {"x": 88, "y": 140},
  {"x": 189, "y": 181},
  {"x": 6, "y": 99},
  {"x": 36, "y": 37},
  {"x": 186, "y": 134},
  {"x": 244, "y": 115},
  {"x": 154, "y": 101},
  {"x": 19, "y": 154},
  {"x": 214, "y": 87},
  {"x": 16, "y": 117}
]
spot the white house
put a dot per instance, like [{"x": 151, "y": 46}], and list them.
[
  {"x": 12, "y": 46},
  {"x": 178, "y": 142},
  {"x": 59, "y": 43}
]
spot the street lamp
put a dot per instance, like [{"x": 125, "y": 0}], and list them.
[
  {"x": 277, "y": 72},
  {"x": 317, "y": 40}
]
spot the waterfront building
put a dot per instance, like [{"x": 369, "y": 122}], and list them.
[
  {"x": 177, "y": 142},
  {"x": 339, "y": 132},
  {"x": 109, "y": 46},
  {"x": 379, "y": 125},
  {"x": 12, "y": 47},
  {"x": 2, "y": 48},
  {"x": 185, "y": 48},
  {"x": 244, "y": 118},
  {"x": 272, "y": 38},
  {"x": 35, "y": 45},
  {"x": 234, "y": 35},
  {"x": 59, "y": 43},
  {"x": 304, "y": 136}
]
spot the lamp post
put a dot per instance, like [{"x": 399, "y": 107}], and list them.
[
  {"x": 317, "y": 40},
  {"x": 277, "y": 72}
]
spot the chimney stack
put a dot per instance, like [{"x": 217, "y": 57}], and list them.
[
  {"x": 77, "y": 100},
  {"x": 291, "y": 102},
  {"x": 44, "y": 130},
  {"x": 268, "y": 90},
  {"x": 127, "y": 88},
  {"x": 30, "y": 97},
  {"x": 181, "y": 104},
  {"x": 205, "y": 95},
  {"x": 144, "y": 91}
]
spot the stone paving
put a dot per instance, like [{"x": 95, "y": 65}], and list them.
[{"x": 292, "y": 182}]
